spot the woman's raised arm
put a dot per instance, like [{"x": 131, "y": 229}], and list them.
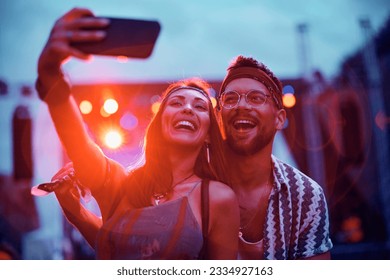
[{"x": 55, "y": 90}]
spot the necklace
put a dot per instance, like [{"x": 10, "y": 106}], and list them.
[
  {"x": 251, "y": 219},
  {"x": 257, "y": 209},
  {"x": 157, "y": 197}
]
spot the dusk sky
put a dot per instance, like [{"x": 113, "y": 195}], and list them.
[{"x": 198, "y": 38}]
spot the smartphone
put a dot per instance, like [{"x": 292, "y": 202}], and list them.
[{"x": 125, "y": 37}]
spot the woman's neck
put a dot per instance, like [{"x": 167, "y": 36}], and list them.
[{"x": 182, "y": 163}]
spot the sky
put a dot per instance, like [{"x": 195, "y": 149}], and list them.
[{"x": 198, "y": 37}]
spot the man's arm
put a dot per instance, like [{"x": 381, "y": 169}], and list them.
[{"x": 316, "y": 228}]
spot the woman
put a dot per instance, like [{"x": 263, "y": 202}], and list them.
[{"x": 154, "y": 211}]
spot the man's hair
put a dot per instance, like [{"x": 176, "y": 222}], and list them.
[{"x": 242, "y": 61}]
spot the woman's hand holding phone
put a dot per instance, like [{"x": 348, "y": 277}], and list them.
[
  {"x": 79, "y": 33},
  {"x": 123, "y": 37}
]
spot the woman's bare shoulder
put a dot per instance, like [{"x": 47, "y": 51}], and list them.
[{"x": 220, "y": 192}]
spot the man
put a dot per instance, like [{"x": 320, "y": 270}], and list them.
[{"x": 283, "y": 212}]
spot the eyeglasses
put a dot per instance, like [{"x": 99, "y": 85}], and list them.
[{"x": 230, "y": 99}]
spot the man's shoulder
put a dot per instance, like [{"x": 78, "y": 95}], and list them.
[
  {"x": 298, "y": 186},
  {"x": 292, "y": 176}
]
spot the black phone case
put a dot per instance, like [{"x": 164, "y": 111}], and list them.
[{"x": 125, "y": 37}]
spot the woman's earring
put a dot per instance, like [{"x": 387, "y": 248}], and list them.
[{"x": 208, "y": 153}]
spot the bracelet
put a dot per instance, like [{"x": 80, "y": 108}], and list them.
[{"x": 56, "y": 94}]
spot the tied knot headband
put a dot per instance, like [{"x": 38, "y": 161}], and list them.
[{"x": 256, "y": 74}]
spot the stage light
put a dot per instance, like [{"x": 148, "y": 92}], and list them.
[
  {"x": 128, "y": 121},
  {"x": 155, "y": 98},
  {"x": 107, "y": 92},
  {"x": 113, "y": 139},
  {"x": 85, "y": 107},
  {"x": 110, "y": 106},
  {"x": 288, "y": 89},
  {"x": 103, "y": 113},
  {"x": 289, "y": 100},
  {"x": 155, "y": 107},
  {"x": 213, "y": 101}
]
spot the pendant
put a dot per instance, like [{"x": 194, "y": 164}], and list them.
[{"x": 157, "y": 198}]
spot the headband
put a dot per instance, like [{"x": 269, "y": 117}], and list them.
[
  {"x": 187, "y": 87},
  {"x": 256, "y": 74}
]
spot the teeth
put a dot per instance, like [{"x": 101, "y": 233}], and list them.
[
  {"x": 185, "y": 124},
  {"x": 244, "y": 122}
]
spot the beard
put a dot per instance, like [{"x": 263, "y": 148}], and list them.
[{"x": 250, "y": 146}]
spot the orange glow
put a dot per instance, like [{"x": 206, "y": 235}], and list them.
[
  {"x": 107, "y": 92},
  {"x": 213, "y": 101},
  {"x": 289, "y": 100},
  {"x": 122, "y": 59},
  {"x": 103, "y": 113},
  {"x": 155, "y": 107},
  {"x": 113, "y": 139},
  {"x": 110, "y": 106},
  {"x": 85, "y": 107}
]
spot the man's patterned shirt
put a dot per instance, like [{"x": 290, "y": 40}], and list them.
[{"x": 297, "y": 222}]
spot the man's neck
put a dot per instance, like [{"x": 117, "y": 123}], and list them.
[{"x": 250, "y": 171}]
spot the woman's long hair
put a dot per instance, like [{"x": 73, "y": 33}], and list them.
[{"x": 155, "y": 176}]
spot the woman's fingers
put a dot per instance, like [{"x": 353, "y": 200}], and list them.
[
  {"x": 76, "y": 13},
  {"x": 67, "y": 191},
  {"x": 78, "y": 25},
  {"x": 83, "y": 36},
  {"x": 88, "y": 23},
  {"x": 65, "y": 170}
]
